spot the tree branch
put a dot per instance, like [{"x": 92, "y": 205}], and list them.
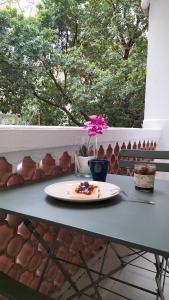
[
  {"x": 45, "y": 100},
  {"x": 85, "y": 115},
  {"x": 62, "y": 91},
  {"x": 75, "y": 36},
  {"x": 64, "y": 109},
  {"x": 138, "y": 21},
  {"x": 65, "y": 74},
  {"x": 71, "y": 117},
  {"x": 110, "y": 2}
]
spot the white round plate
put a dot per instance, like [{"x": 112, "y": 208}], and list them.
[{"x": 60, "y": 190}]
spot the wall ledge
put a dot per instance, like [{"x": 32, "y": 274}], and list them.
[{"x": 21, "y": 138}]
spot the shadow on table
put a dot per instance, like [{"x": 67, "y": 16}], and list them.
[
  {"x": 116, "y": 200},
  {"x": 80, "y": 205}
]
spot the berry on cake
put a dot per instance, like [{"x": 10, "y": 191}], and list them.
[{"x": 84, "y": 190}]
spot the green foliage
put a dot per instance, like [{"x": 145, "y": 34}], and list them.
[
  {"x": 86, "y": 150},
  {"x": 11, "y": 119},
  {"x": 73, "y": 59}
]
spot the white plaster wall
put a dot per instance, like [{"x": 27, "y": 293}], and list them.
[
  {"x": 21, "y": 138},
  {"x": 157, "y": 85},
  {"x": 19, "y": 141}
]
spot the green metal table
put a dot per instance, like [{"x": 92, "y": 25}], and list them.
[{"x": 138, "y": 225}]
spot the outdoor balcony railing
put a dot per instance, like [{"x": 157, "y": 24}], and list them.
[{"x": 32, "y": 153}]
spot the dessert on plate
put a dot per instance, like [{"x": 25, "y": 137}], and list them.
[{"x": 84, "y": 190}]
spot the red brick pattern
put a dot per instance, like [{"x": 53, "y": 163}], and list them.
[
  {"x": 113, "y": 155},
  {"x": 28, "y": 170},
  {"x": 21, "y": 256},
  {"x": 5, "y": 170}
]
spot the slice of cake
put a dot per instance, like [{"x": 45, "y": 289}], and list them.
[{"x": 84, "y": 190}]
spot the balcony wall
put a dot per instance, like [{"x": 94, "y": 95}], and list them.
[
  {"x": 21, "y": 257},
  {"x": 35, "y": 141}
]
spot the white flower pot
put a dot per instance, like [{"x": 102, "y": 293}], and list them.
[{"x": 81, "y": 164}]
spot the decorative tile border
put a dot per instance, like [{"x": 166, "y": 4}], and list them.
[{"x": 28, "y": 170}]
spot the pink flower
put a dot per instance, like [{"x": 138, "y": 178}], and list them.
[{"x": 96, "y": 125}]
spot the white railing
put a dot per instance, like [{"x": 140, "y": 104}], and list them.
[
  {"x": 20, "y": 138},
  {"x": 35, "y": 141}
]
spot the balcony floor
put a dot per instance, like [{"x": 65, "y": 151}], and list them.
[{"x": 129, "y": 273}]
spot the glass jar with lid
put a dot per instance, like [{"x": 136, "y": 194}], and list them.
[{"x": 144, "y": 176}]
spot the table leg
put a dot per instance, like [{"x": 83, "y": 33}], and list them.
[
  {"x": 90, "y": 276},
  {"x": 160, "y": 277},
  {"x": 67, "y": 277},
  {"x": 161, "y": 270},
  {"x": 40, "y": 239}
]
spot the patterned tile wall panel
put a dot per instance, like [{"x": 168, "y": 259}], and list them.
[
  {"x": 28, "y": 170},
  {"x": 21, "y": 256}
]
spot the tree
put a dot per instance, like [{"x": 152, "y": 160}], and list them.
[
  {"x": 76, "y": 57},
  {"x": 27, "y": 7}
]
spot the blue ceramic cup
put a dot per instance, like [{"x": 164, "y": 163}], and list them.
[{"x": 98, "y": 168}]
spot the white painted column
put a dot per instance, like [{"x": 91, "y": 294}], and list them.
[{"x": 157, "y": 85}]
